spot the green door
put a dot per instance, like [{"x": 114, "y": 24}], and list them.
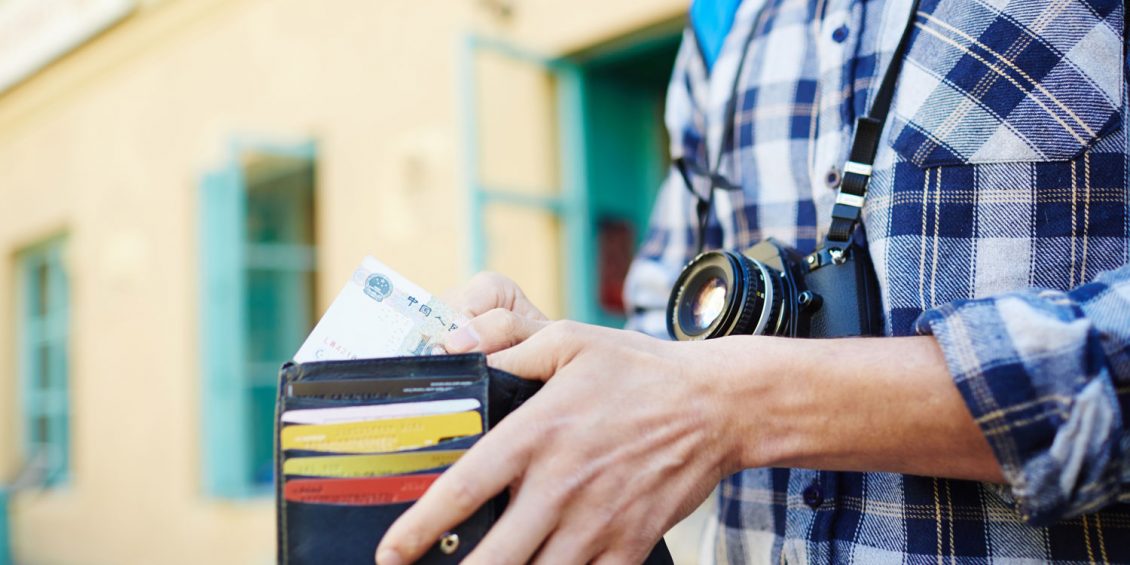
[
  {"x": 613, "y": 156},
  {"x": 626, "y": 159}
]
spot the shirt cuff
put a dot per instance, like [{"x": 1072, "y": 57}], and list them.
[{"x": 1034, "y": 378}]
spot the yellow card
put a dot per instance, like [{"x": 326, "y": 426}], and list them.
[
  {"x": 378, "y": 436},
  {"x": 345, "y": 466}
]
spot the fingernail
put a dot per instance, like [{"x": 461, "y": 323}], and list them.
[
  {"x": 389, "y": 557},
  {"x": 462, "y": 339}
]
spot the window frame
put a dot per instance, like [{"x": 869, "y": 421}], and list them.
[
  {"x": 53, "y": 331},
  {"x": 226, "y": 435},
  {"x": 573, "y": 204}
]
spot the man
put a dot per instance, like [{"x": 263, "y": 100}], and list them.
[{"x": 990, "y": 425}]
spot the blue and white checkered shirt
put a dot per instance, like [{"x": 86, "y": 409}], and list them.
[{"x": 998, "y": 218}]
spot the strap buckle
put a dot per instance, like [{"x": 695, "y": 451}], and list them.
[
  {"x": 853, "y": 200},
  {"x": 858, "y": 168}
]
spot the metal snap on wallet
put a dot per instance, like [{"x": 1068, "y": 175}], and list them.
[{"x": 358, "y": 441}]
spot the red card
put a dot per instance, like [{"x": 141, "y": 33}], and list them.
[{"x": 371, "y": 491}]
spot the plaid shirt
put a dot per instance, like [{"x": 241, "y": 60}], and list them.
[{"x": 998, "y": 219}]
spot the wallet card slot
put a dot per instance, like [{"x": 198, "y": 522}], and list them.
[
  {"x": 458, "y": 443},
  {"x": 462, "y": 442},
  {"x": 439, "y": 366},
  {"x": 380, "y": 388},
  {"x": 381, "y": 435},
  {"x": 311, "y": 532},
  {"x": 432, "y": 459},
  {"x": 396, "y": 391},
  {"x": 430, "y": 471},
  {"x": 359, "y": 491},
  {"x": 475, "y": 390},
  {"x": 333, "y": 533}
]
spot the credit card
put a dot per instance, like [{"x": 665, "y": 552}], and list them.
[
  {"x": 377, "y": 436},
  {"x": 378, "y": 411},
  {"x": 349, "y": 466},
  {"x": 392, "y": 388},
  {"x": 369, "y": 492}
]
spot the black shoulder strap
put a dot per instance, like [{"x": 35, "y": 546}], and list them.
[{"x": 864, "y": 144}]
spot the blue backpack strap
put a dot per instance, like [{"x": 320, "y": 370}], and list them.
[{"x": 711, "y": 21}]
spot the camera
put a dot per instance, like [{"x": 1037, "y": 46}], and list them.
[{"x": 772, "y": 289}]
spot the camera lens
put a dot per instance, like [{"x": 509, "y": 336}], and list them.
[
  {"x": 708, "y": 302},
  {"x": 703, "y": 300},
  {"x": 723, "y": 293}
]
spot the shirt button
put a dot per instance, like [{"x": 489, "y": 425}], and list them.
[
  {"x": 840, "y": 34},
  {"x": 832, "y": 178},
  {"x": 813, "y": 496}
]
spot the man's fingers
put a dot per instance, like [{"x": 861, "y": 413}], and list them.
[
  {"x": 617, "y": 557},
  {"x": 487, "y": 291},
  {"x": 493, "y": 331},
  {"x": 529, "y": 518},
  {"x": 483, "y": 293},
  {"x": 477, "y": 477},
  {"x": 566, "y": 545}
]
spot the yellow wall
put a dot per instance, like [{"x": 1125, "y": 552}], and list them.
[{"x": 109, "y": 144}]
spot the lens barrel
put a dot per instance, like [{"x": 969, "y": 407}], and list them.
[{"x": 723, "y": 293}]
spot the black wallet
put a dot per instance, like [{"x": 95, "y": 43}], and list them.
[{"x": 319, "y": 532}]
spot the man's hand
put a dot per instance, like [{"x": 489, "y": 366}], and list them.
[
  {"x": 623, "y": 442},
  {"x": 630, "y": 433},
  {"x": 501, "y": 315}
]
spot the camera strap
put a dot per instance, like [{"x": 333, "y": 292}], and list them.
[
  {"x": 857, "y": 170},
  {"x": 865, "y": 143}
]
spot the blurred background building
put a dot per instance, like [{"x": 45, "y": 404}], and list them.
[{"x": 186, "y": 184}]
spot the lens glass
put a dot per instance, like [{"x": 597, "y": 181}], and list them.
[{"x": 708, "y": 302}]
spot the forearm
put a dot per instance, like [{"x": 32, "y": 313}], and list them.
[{"x": 865, "y": 404}]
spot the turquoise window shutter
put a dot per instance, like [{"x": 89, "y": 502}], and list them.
[
  {"x": 43, "y": 359},
  {"x": 257, "y": 262},
  {"x": 279, "y": 263},
  {"x": 43, "y": 332},
  {"x": 223, "y": 202},
  {"x": 5, "y": 543},
  {"x": 56, "y": 334}
]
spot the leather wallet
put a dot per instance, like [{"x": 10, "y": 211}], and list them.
[{"x": 317, "y": 532}]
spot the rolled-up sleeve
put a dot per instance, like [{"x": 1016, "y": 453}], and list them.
[{"x": 1046, "y": 375}]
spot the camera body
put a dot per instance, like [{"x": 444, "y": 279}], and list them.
[{"x": 772, "y": 289}]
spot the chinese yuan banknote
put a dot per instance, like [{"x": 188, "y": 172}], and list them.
[{"x": 379, "y": 314}]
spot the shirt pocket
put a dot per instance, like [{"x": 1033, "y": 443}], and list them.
[{"x": 1032, "y": 81}]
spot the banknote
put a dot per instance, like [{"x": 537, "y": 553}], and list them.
[{"x": 379, "y": 313}]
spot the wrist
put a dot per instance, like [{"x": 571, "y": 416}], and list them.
[{"x": 757, "y": 381}]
